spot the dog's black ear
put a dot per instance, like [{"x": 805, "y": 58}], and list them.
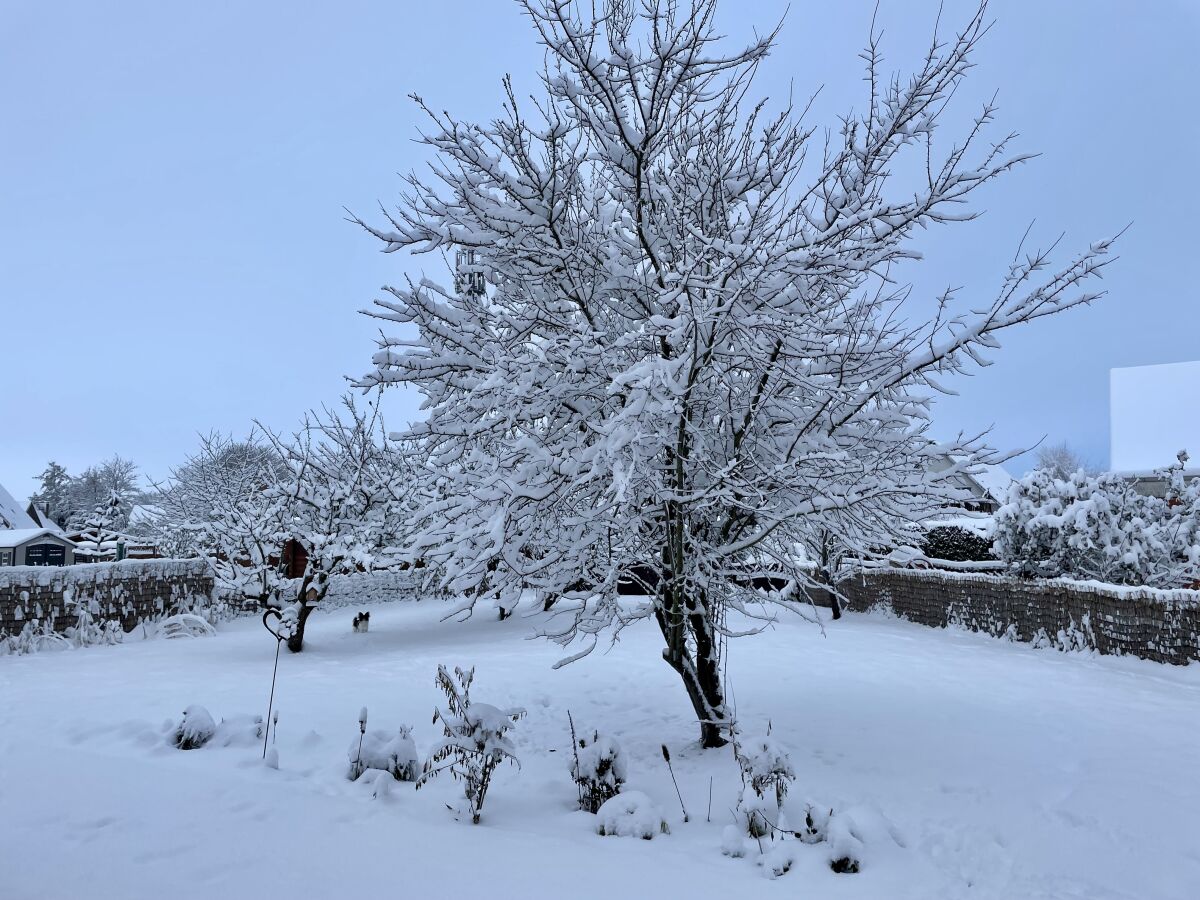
[{"x": 366, "y": 615}]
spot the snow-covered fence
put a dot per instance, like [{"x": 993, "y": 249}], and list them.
[
  {"x": 127, "y": 592},
  {"x": 1159, "y": 625},
  {"x": 372, "y": 587}
]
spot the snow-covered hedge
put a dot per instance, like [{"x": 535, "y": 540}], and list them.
[{"x": 1098, "y": 527}]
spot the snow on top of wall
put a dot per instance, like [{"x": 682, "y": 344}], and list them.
[
  {"x": 1154, "y": 412},
  {"x": 1181, "y": 596},
  {"x": 12, "y": 516},
  {"x": 127, "y": 569}
]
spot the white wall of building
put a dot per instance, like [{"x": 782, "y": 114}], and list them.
[{"x": 1154, "y": 412}]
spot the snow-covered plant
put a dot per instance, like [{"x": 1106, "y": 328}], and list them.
[
  {"x": 87, "y": 630},
  {"x": 476, "y": 739},
  {"x": 1099, "y": 527},
  {"x": 395, "y": 754},
  {"x": 631, "y": 814},
  {"x": 956, "y": 544},
  {"x": 598, "y": 769},
  {"x": 35, "y": 635},
  {"x": 185, "y": 625},
  {"x": 766, "y": 767},
  {"x": 195, "y": 729},
  {"x": 767, "y": 773},
  {"x": 681, "y": 340}
]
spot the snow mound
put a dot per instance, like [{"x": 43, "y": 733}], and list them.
[{"x": 631, "y": 814}]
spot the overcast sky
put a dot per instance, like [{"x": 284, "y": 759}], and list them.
[{"x": 174, "y": 256}]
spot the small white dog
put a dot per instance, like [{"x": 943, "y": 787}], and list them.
[{"x": 362, "y": 622}]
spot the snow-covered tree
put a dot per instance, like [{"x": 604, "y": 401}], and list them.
[
  {"x": 226, "y": 503},
  {"x": 54, "y": 495},
  {"x": 97, "y": 485},
  {"x": 346, "y": 491},
  {"x": 1062, "y": 461},
  {"x": 681, "y": 341},
  {"x": 100, "y": 535}
]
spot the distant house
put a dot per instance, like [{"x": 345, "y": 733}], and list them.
[
  {"x": 1155, "y": 483},
  {"x": 25, "y": 541},
  {"x": 42, "y": 519},
  {"x": 987, "y": 487}
]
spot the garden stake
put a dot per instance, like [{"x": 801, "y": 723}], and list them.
[
  {"x": 671, "y": 769},
  {"x": 362, "y": 730},
  {"x": 271, "y": 702}
]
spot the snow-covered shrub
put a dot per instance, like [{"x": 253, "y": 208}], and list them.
[
  {"x": 631, "y": 814},
  {"x": 194, "y": 730},
  {"x": 87, "y": 631},
  {"x": 598, "y": 769},
  {"x": 35, "y": 635},
  {"x": 476, "y": 738},
  {"x": 386, "y": 752},
  {"x": 198, "y": 729},
  {"x": 956, "y": 544},
  {"x": 767, "y": 772},
  {"x": 1099, "y": 527},
  {"x": 766, "y": 767},
  {"x": 185, "y": 625}
]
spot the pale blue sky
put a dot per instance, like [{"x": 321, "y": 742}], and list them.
[{"x": 173, "y": 254}]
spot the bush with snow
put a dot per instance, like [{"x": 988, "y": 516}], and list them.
[
  {"x": 954, "y": 543},
  {"x": 767, "y": 773},
  {"x": 198, "y": 729},
  {"x": 195, "y": 729},
  {"x": 1098, "y": 527},
  {"x": 185, "y": 625},
  {"x": 476, "y": 739},
  {"x": 382, "y": 750},
  {"x": 35, "y": 635},
  {"x": 631, "y": 814},
  {"x": 598, "y": 769}
]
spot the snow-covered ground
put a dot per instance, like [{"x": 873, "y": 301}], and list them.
[{"x": 1007, "y": 772}]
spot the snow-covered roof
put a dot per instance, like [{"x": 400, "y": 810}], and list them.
[
  {"x": 995, "y": 480},
  {"x": 15, "y": 537},
  {"x": 42, "y": 519},
  {"x": 11, "y": 514}
]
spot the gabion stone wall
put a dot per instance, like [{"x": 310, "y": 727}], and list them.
[
  {"x": 127, "y": 592},
  {"x": 1163, "y": 626}
]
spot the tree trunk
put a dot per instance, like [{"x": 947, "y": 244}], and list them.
[
  {"x": 312, "y": 592},
  {"x": 701, "y": 673}
]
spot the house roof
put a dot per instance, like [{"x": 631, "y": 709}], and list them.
[
  {"x": 995, "y": 480},
  {"x": 11, "y": 514},
  {"x": 42, "y": 519},
  {"x": 15, "y": 537}
]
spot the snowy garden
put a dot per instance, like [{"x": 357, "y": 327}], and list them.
[
  {"x": 601, "y": 621},
  {"x": 955, "y": 765}
]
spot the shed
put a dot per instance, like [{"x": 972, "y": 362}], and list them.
[{"x": 35, "y": 547}]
